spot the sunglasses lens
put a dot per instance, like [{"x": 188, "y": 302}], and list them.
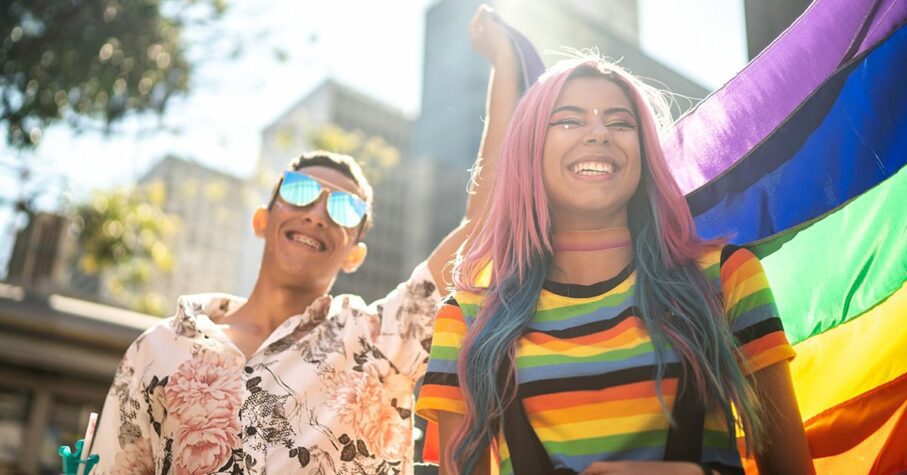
[
  {"x": 299, "y": 190},
  {"x": 345, "y": 209}
]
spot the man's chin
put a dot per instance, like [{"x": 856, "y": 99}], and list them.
[{"x": 305, "y": 272}]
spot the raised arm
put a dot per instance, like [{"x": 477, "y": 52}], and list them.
[{"x": 489, "y": 38}]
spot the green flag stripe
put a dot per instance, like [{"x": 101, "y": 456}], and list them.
[{"x": 842, "y": 265}]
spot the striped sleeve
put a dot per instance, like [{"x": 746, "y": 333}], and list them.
[
  {"x": 751, "y": 310},
  {"x": 440, "y": 390}
]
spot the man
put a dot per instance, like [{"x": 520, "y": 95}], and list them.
[{"x": 293, "y": 380}]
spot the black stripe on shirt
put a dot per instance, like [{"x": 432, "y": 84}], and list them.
[
  {"x": 591, "y": 328},
  {"x": 596, "y": 381},
  {"x": 759, "y": 330}
]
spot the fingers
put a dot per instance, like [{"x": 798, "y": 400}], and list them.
[
  {"x": 482, "y": 16},
  {"x": 478, "y": 17},
  {"x": 488, "y": 35}
]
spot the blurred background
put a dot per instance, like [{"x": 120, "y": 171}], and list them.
[{"x": 138, "y": 136}]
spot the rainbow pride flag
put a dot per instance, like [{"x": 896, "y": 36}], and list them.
[{"x": 801, "y": 158}]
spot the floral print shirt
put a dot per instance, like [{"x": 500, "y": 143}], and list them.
[{"x": 329, "y": 391}]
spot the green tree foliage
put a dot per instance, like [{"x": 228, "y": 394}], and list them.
[
  {"x": 92, "y": 61},
  {"x": 121, "y": 237}
]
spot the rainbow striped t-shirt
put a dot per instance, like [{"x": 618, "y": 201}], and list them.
[{"x": 586, "y": 365}]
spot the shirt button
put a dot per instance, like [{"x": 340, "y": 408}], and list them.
[
  {"x": 250, "y": 430},
  {"x": 248, "y": 369}
]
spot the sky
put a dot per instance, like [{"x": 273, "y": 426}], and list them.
[{"x": 374, "y": 46}]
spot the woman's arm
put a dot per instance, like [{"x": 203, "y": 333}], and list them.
[
  {"x": 489, "y": 38},
  {"x": 447, "y": 424},
  {"x": 786, "y": 449}
]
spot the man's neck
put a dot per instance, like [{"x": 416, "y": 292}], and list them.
[{"x": 268, "y": 307}]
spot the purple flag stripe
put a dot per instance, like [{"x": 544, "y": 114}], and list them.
[
  {"x": 733, "y": 120},
  {"x": 891, "y": 14},
  {"x": 529, "y": 57}
]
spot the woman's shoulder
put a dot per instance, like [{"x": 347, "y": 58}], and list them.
[
  {"x": 717, "y": 256},
  {"x": 461, "y": 298}
]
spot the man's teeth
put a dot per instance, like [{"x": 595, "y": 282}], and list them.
[
  {"x": 592, "y": 168},
  {"x": 300, "y": 238}
]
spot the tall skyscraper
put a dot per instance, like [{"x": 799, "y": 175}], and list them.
[{"x": 766, "y": 19}]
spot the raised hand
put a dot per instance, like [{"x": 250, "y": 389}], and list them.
[{"x": 487, "y": 34}]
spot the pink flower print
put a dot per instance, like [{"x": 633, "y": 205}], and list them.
[
  {"x": 205, "y": 442},
  {"x": 204, "y": 384},
  {"x": 390, "y": 434},
  {"x": 356, "y": 398},
  {"x": 134, "y": 459}
]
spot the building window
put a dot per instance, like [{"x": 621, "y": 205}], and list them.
[{"x": 13, "y": 413}]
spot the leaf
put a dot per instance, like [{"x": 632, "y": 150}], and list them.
[
  {"x": 304, "y": 456},
  {"x": 360, "y": 446},
  {"x": 348, "y": 453}
]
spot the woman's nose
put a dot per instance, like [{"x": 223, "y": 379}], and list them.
[{"x": 598, "y": 133}]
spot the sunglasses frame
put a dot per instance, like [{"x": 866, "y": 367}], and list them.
[{"x": 341, "y": 198}]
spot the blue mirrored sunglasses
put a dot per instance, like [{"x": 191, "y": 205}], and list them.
[{"x": 344, "y": 208}]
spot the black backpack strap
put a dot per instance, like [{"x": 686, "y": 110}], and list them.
[
  {"x": 527, "y": 454},
  {"x": 685, "y": 435},
  {"x": 684, "y": 442}
]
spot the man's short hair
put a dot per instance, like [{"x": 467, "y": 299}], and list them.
[{"x": 344, "y": 164}]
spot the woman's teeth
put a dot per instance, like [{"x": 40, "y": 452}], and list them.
[{"x": 592, "y": 168}]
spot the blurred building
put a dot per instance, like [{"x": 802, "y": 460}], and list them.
[
  {"x": 37, "y": 259},
  {"x": 332, "y": 103},
  {"x": 57, "y": 359},
  {"x": 207, "y": 247},
  {"x": 447, "y": 134},
  {"x": 766, "y": 19}
]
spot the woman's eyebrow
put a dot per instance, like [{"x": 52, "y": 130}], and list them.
[
  {"x": 618, "y": 110},
  {"x": 608, "y": 111},
  {"x": 568, "y": 108}
]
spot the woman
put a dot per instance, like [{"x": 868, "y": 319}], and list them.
[{"x": 592, "y": 330}]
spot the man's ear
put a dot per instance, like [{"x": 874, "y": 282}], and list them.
[
  {"x": 260, "y": 221},
  {"x": 355, "y": 258}
]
